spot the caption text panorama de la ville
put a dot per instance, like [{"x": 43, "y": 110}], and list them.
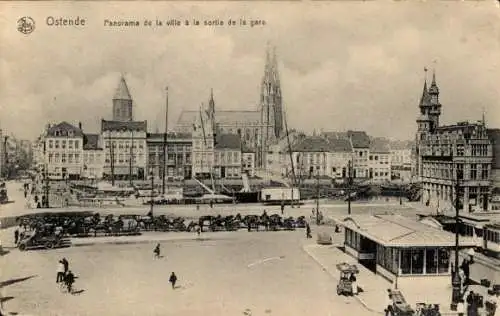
[{"x": 79, "y": 21}]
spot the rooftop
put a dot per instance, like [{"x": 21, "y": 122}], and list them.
[
  {"x": 228, "y": 141},
  {"x": 359, "y": 139},
  {"x": 221, "y": 117},
  {"x": 64, "y": 129},
  {"x": 400, "y": 231},
  {"x": 123, "y": 126},
  {"x": 313, "y": 144},
  {"x": 378, "y": 145},
  {"x": 171, "y": 135}
]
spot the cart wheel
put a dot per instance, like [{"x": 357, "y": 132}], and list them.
[
  {"x": 22, "y": 247},
  {"x": 49, "y": 245}
]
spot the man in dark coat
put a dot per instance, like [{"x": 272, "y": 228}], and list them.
[
  {"x": 308, "y": 231},
  {"x": 172, "y": 280},
  {"x": 16, "y": 236},
  {"x": 66, "y": 265}
]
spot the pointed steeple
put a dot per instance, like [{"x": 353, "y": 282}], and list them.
[
  {"x": 274, "y": 63},
  {"x": 211, "y": 103},
  {"x": 434, "y": 88},
  {"x": 122, "y": 92},
  {"x": 424, "y": 100}
]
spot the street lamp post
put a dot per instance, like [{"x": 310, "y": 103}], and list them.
[
  {"x": 317, "y": 199},
  {"x": 349, "y": 180},
  {"x": 152, "y": 189},
  {"x": 456, "y": 281}
]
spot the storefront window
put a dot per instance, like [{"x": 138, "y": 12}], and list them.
[
  {"x": 417, "y": 261},
  {"x": 395, "y": 257},
  {"x": 388, "y": 260},
  {"x": 443, "y": 260},
  {"x": 412, "y": 261},
  {"x": 431, "y": 261},
  {"x": 380, "y": 255},
  {"x": 405, "y": 261}
]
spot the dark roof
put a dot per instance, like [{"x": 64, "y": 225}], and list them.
[
  {"x": 359, "y": 139},
  {"x": 64, "y": 129},
  {"x": 339, "y": 144},
  {"x": 171, "y": 135},
  {"x": 494, "y": 135},
  {"x": 378, "y": 145},
  {"x": 336, "y": 135},
  {"x": 313, "y": 144},
  {"x": 119, "y": 125},
  {"x": 228, "y": 141},
  {"x": 91, "y": 142},
  {"x": 401, "y": 144}
]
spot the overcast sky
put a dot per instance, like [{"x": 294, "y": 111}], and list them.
[{"x": 343, "y": 65}]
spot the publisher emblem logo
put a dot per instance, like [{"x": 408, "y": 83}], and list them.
[{"x": 26, "y": 25}]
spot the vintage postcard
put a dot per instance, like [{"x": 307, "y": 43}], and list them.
[{"x": 249, "y": 158}]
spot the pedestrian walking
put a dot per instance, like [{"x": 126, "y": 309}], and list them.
[
  {"x": 388, "y": 303},
  {"x": 16, "y": 236},
  {"x": 172, "y": 280},
  {"x": 282, "y": 207},
  {"x": 156, "y": 251},
  {"x": 308, "y": 231},
  {"x": 60, "y": 272}
]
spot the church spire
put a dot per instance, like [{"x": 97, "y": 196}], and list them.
[
  {"x": 425, "y": 95},
  {"x": 122, "y": 92},
  {"x": 434, "y": 88}
]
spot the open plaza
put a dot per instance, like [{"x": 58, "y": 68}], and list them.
[{"x": 219, "y": 273}]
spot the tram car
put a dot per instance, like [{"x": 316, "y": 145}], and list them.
[{"x": 491, "y": 239}]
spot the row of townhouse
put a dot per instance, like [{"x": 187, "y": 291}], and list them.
[{"x": 125, "y": 150}]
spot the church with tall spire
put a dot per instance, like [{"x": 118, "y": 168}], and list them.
[
  {"x": 258, "y": 127},
  {"x": 445, "y": 154}
]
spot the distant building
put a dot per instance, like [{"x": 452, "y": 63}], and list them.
[
  {"x": 379, "y": 161},
  {"x": 179, "y": 155},
  {"x": 257, "y": 129},
  {"x": 319, "y": 156},
  {"x": 64, "y": 151},
  {"x": 228, "y": 159},
  {"x": 449, "y": 154},
  {"x": 360, "y": 142},
  {"x": 401, "y": 160},
  {"x": 494, "y": 135},
  {"x": 93, "y": 156},
  {"x": 125, "y": 149}
]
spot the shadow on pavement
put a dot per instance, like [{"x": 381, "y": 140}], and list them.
[
  {"x": 6, "y": 299},
  {"x": 78, "y": 292},
  {"x": 13, "y": 281},
  {"x": 4, "y": 252}
]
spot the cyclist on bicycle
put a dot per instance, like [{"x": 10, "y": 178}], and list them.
[{"x": 69, "y": 279}]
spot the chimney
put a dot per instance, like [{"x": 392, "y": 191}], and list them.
[{"x": 80, "y": 125}]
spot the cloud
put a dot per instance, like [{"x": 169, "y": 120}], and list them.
[{"x": 343, "y": 65}]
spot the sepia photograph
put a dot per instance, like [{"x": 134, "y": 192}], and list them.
[{"x": 252, "y": 158}]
